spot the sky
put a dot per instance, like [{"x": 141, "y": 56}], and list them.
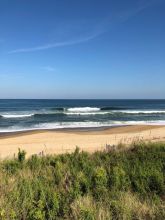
[{"x": 98, "y": 49}]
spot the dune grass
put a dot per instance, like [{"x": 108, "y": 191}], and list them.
[{"x": 116, "y": 184}]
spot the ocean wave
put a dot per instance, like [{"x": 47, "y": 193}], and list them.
[
  {"x": 111, "y": 108},
  {"x": 141, "y": 111},
  {"x": 83, "y": 109},
  {"x": 30, "y": 114},
  {"x": 79, "y": 111},
  {"x": 54, "y": 125},
  {"x": 16, "y": 116},
  {"x": 87, "y": 109},
  {"x": 87, "y": 113},
  {"x": 107, "y": 110},
  {"x": 47, "y": 114},
  {"x": 71, "y": 125},
  {"x": 58, "y": 109},
  {"x": 89, "y": 124}
]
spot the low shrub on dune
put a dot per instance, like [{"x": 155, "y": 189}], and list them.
[{"x": 117, "y": 184}]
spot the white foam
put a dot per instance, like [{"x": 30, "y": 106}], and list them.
[
  {"x": 88, "y": 124},
  {"x": 141, "y": 111},
  {"x": 157, "y": 122},
  {"x": 83, "y": 109},
  {"x": 69, "y": 125},
  {"x": 87, "y": 113},
  {"x": 16, "y": 116}
]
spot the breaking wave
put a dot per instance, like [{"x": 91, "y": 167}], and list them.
[
  {"x": 16, "y": 116},
  {"x": 80, "y": 111},
  {"x": 83, "y": 109},
  {"x": 141, "y": 111},
  {"x": 89, "y": 124}
]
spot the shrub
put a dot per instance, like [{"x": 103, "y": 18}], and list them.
[
  {"x": 128, "y": 207},
  {"x": 100, "y": 183},
  {"x": 11, "y": 167},
  {"x": 34, "y": 163},
  {"x": 100, "y": 177},
  {"x": 83, "y": 208},
  {"x": 118, "y": 179},
  {"x": 156, "y": 182},
  {"x": 37, "y": 212},
  {"x": 21, "y": 155},
  {"x": 118, "y": 184}
]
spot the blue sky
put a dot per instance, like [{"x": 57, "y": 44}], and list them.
[{"x": 82, "y": 49}]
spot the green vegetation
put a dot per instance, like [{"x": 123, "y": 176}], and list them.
[{"x": 118, "y": 184}]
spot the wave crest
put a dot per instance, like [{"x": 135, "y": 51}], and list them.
[
  {"x": 141, "y": 111},
  {"x": 16, "y": 116},
  {"x": 83, "y": 109}
]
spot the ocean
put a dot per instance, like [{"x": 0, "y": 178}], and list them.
[{"x": 22, "y": 115}]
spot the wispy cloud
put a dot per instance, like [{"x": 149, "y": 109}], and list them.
[
  {"x": 57, "y": 44},
  {"x": 98, "y": 30}
]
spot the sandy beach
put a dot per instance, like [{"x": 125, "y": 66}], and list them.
[{"x": 62, "y": 141}]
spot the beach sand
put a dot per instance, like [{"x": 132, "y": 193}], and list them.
[{"x": 62, "y": 141}]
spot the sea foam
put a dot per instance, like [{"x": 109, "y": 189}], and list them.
[
  {"x": 89, "y": 124},
  {"x": 17, "y": 116},
  {"x": 83, "y": 109},
  {"x": 141, "y": 111}
]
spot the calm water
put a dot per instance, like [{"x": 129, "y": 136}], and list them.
[{"x": 18, "y": 115}]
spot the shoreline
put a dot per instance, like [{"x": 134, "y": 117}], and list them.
[
  {"x": 59, "y": 141},
  {"x": 67, "y": 130},
  {"x": 76, "y": 130}
]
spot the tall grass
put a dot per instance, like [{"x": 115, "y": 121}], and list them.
[{"x": 115, "y": 184}]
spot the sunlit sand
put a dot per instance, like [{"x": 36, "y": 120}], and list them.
[{"x": 57, "y": 142}]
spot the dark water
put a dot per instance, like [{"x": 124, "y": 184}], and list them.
[{"x": 17, "y": 115}]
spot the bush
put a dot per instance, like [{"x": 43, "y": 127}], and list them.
[
  {"x": 11, "y": 167},
  {"x": 100, "y": 183},
  {"x": 156, "y": 182},
  {"x": 118, "y": 184},
  {"x": 119, "y": 179},
  {"x": 128, "y": 206},
  {"x": 83, "y": 208},
  {"x": 100, "y": 177},
  {"x": 21, "y": 155},
  {"x": 34, "y": 163}
]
